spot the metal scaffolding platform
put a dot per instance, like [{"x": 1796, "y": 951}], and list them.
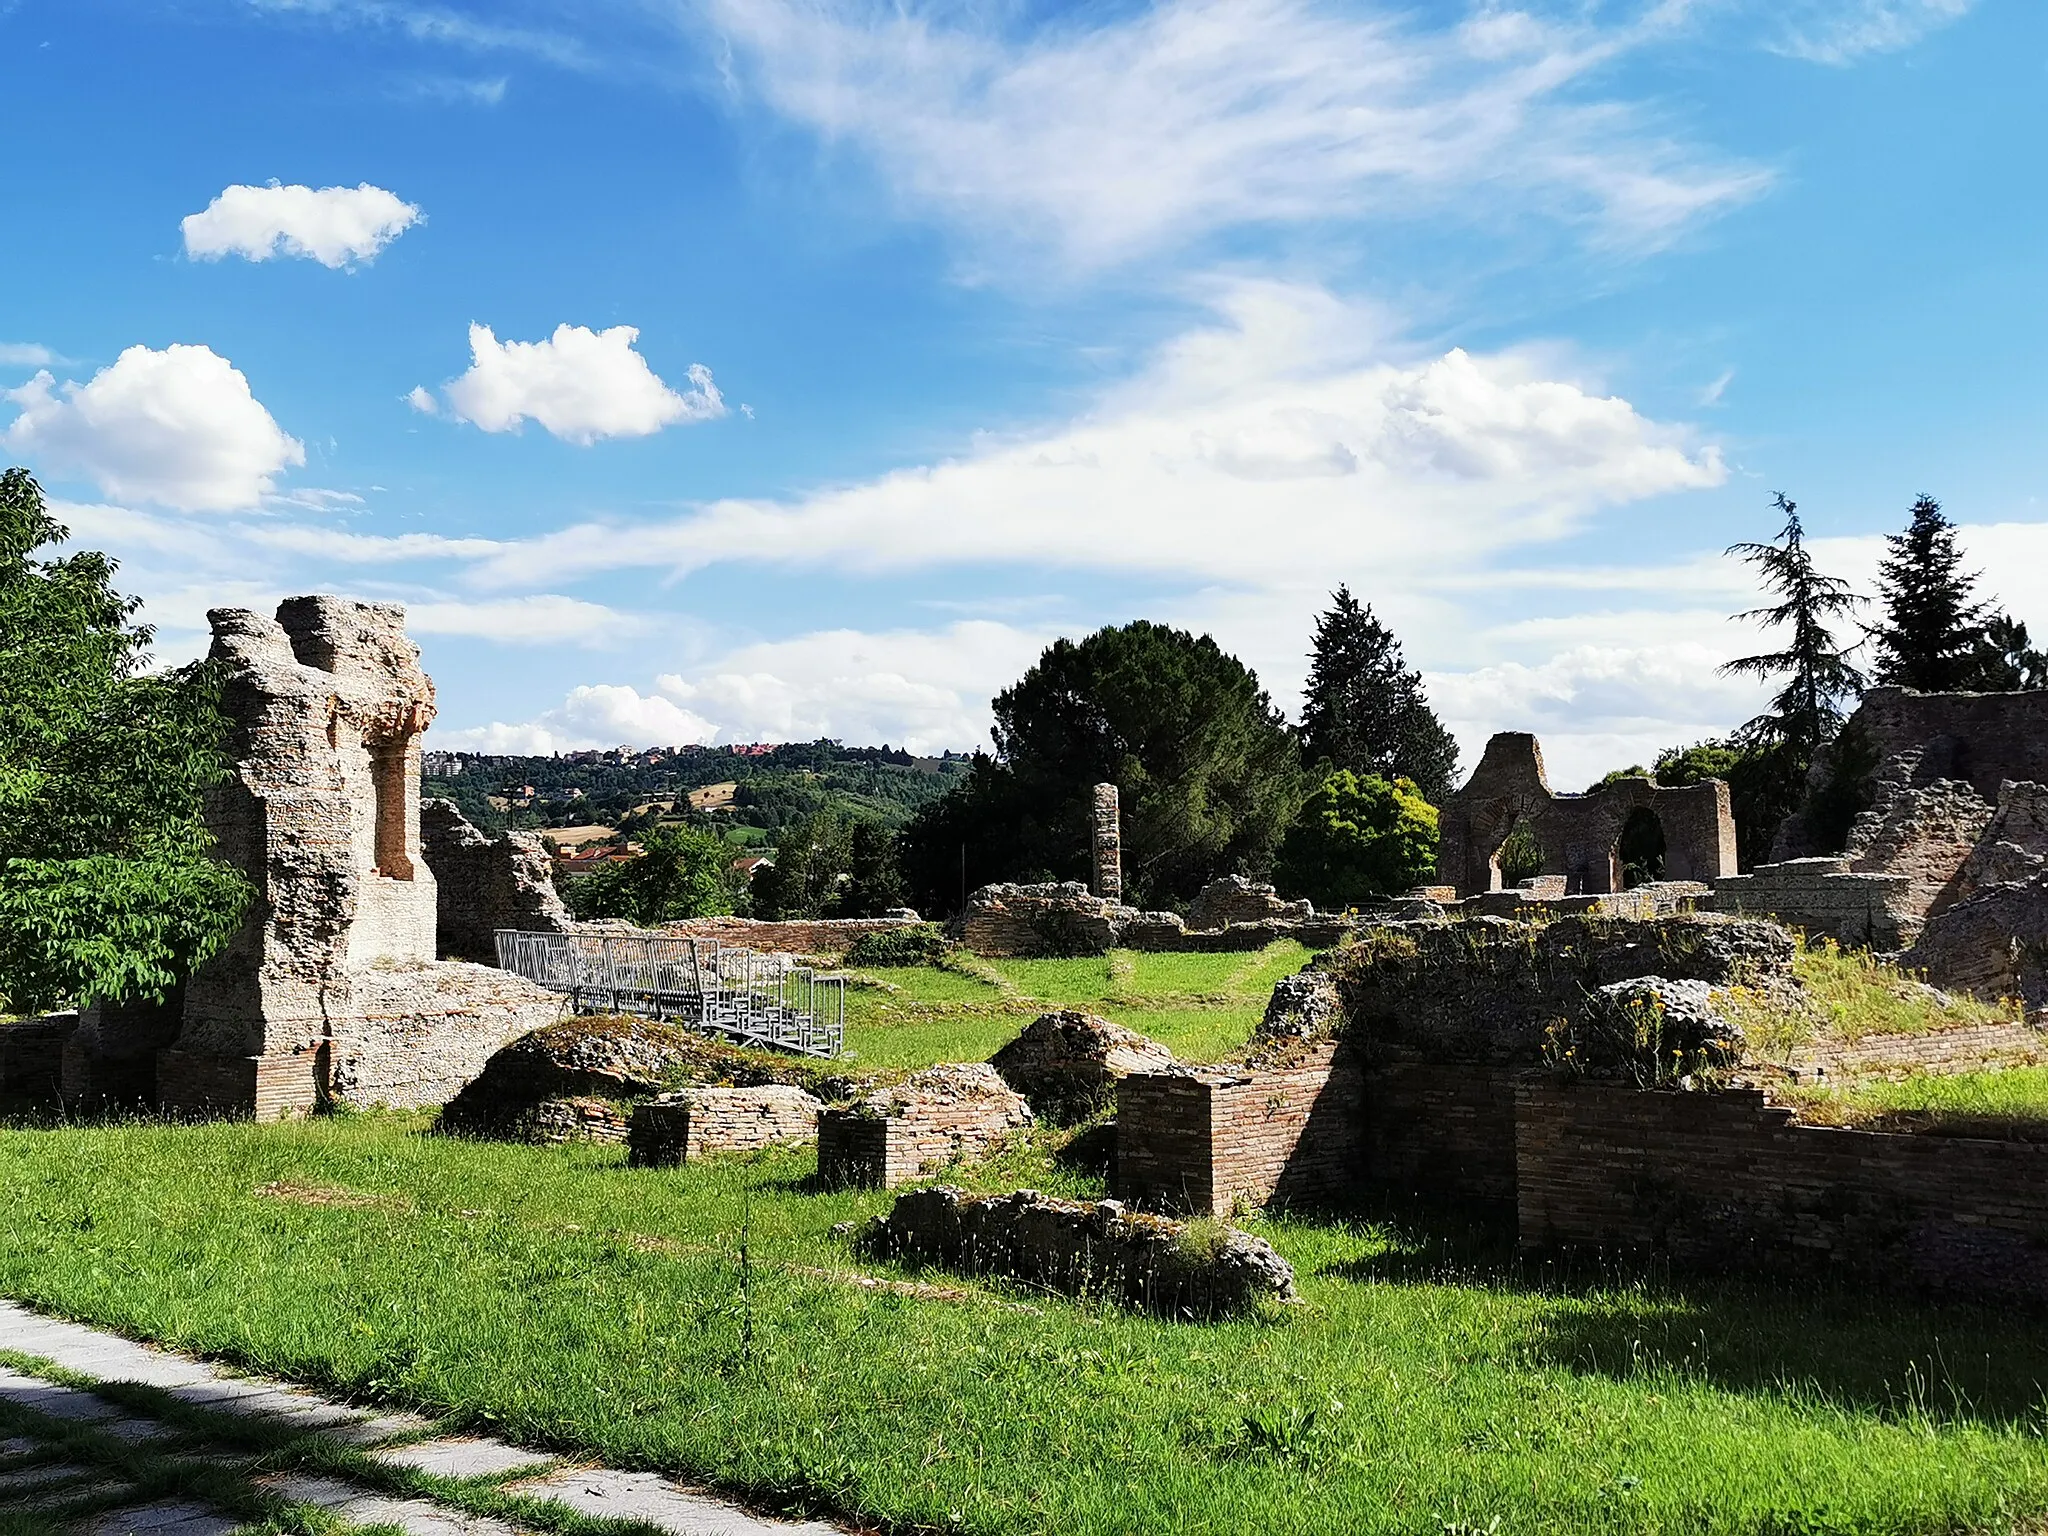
[{"x": 738, "y": 994}]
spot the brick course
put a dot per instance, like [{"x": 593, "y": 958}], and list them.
[{"x": 678, "y": 1128}]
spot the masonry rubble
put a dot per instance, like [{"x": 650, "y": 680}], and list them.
[
  {"x": 1066, "y": 918},
  {"x": 1083, "y": 1248},
  {"x": 901, "y": 1132},
  {"x": 331, "y": 991},
  {"x": 675, "y": 1128},
  {"x": 485, "y": 883},
  {"x": 1106, "y": 843},
  {"x": 1067, "y": 1063},
  {"x": 1235, "y": 899}
]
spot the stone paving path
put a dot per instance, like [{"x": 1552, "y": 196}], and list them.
[{"x": 210, "y": 1452}]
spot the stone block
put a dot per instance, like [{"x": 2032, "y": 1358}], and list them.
[
  {"x": 901, "y": 1133},
  {"x": 1067, "y": 1063},
  {"x": 677, "y": 1128}
]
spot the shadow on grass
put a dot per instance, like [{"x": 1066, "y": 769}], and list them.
[{"x": 1629, "y": 1317}]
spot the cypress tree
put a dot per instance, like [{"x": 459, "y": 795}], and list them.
[
  {"x": 1365, "y": 711},
  {"x": 1932, "y": 635}
]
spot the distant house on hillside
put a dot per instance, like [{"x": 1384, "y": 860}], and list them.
[{"x": 747, "y": 864}]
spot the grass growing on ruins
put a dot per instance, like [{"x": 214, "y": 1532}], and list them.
[
  {"x": 2003, "y": 1104},
  {"x": 1848, "y": 994},
  {"x": 1426, "y": 1384},
  {"x": 1202, "y": 1007}
]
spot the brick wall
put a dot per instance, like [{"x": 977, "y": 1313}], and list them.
[
  {"x": 702, "y": 1121},
  {"x": 1209, "y": 1140},
  {"x": 197, "y": 1084},
  {"x": 823, "y": 936},
  {"x": 1724, "y": 1181},
  {"x": 32, "y": 1058},
  {"x": 1440, "y": 1129},
  {"x": 1949, "y": 1050},
  {"x": 1827, "y": 899},
  {"x": 901, "y": 1133}
]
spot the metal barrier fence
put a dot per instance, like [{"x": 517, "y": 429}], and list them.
[{"x": 740, "y": 994}]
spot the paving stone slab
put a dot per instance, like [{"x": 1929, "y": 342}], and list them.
[
  {"x": 16, "y": 1446},
  {"x": 417, "y": 1517},
  {"x": 162, "y": 1520},
  {"x": 34, "y": 1393},
  {"x": 40, "y": 1477},
  {"x": 378, "y": 1427},
  {"x": 662, "y": 1504},
  {"x": 463, "y": 1457}
]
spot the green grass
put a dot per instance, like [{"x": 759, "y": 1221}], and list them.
[
  {"x": 2006, "y": 1104},
  {"x": 1426, "y": 1383},
  {"x": 1847, "y": 995},
  {"x": 1202, "y": 1007}
]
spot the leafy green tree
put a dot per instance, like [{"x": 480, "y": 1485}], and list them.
[
  {"x": 1358, "y": 838},
  {"x": 1209, "y": 773},
  {"x": 2005, "y": 659},
  {"x": 683, "y": 872},
  {"x": 1933, "y": 633},
  {"x": 109, "y": 890},
  {"x": 1363, "y": 709},
  {"x": 813, "y": 857},
  {"x": 874, "y": 883}
]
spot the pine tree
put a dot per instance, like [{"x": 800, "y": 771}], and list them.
[
  {"x": 1932, "y": 633},
  {"x": 1807, "y": 712},
  {"x": 1363, "y": 710},
  {"x": 2006, "y": 660}
]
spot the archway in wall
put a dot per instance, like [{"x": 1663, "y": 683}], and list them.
[
  {"x": 1639, "y": 852},
  {"x": 1518, "y": 857}
]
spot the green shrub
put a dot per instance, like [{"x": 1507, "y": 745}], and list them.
[
  {"x": 913, "y": 944},
  {"x": 1359, "y": 837}
]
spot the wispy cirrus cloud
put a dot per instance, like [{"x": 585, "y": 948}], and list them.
[
  {"x": 1123, "y": 132},
  {"x": 1843, "y": 32}
]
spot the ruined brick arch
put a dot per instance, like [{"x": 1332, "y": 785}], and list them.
[
  {"x": 391, "y": 783},
  {"x": 1580, "y": 835}
]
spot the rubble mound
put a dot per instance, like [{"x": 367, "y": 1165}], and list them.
[
  {"x": 1487, "y": 990},
  {"x": 1084, "y": 1248},
  {"x": 1066, "y": 1064},
  {"x": 1994, "y": 944},
  {"x": 545, "y": 1085}
]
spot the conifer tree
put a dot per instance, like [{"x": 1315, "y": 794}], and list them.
[
  {"x": 1806, "y": 713},
  {"x": 1365, "y": 711},
  {"x": 1932, "y": 635}
]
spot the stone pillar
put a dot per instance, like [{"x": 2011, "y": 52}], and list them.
[{"x": 1109, "y": 847}]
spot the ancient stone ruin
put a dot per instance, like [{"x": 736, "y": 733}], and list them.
[
  {"x": 1107, "y": 844},
  {"x": 677, "y": 1128},
  {"x": 1234, "y": 899},
  {"x": 1579, "y": 835},
  {"x": 1083, "y": 1248},
  {"x": 331, "y": 992},
  {"x": 899, "y": 1133},
  {"x": 1067, "y": 1064},
  {"x": 1945, "y": 859},
  {"x": 485, "y": 883}
]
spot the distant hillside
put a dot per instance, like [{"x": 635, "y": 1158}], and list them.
[{"x": 770, "y": 786}]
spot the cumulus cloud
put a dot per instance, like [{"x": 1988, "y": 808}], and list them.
[
  {"x": 1127, "y": 130},
  {"x": 177, "y": 427},
  {"x": 1253, "y": 424},
  {"x": 594, "y": 715},
  {"x": 1845, "y": 31},
  {"x": 580, "y": 384},
  {"x": 334, "y": 226}
]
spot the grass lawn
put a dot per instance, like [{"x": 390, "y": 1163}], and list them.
[
  {"x": 1427, "y": 1384},
  {"x": 1202, "y": 1007},
  {"x": 2008, "y": 1103},
  {"x": 1846, "y": 994}
]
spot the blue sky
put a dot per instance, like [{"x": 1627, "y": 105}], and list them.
[{"x": 956, "y": 326}]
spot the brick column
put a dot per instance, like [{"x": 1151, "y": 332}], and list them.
[{"x": 1109, "y": 847}]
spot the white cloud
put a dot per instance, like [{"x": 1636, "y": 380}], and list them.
[
  {"x": 25, "y": 354},
  {"x": 1844, "y": 31},
  {"x": 177, "y": 427},
  {"x": 580, "y": 384},
  {"x": 421, "y": 399},
  {"x": 333, "y": 226},
  {"x": 1118, "y": 131},
  {"x": 595, "y": 715},
  {"x": 540, "y": 619},
  {"x": 1256, "y": 424}
]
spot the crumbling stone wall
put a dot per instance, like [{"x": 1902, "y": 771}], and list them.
[
  {"x": 1234, "y": 899},
  {"x": 1067, "y": 1063},
  {"x": 1827, "y": 899},
  {"x": 1067, "y": 919},
  {"x": 1082, "y": 1249},
  {"x": 330, "y": 990},
  {"x": 32, "y": 1059},
  {"x": 900, "y": 1133},
  {"x": 815, "y": 936},
  {"x": 485, "y": 883},
  {"x": 1580, "y": 834}
]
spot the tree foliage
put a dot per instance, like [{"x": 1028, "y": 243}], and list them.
[
  {"x": 682, "y": 873},
  {"x": 108, "y": 887},
  {"x": 1359, "y": 837},
  {"x": 1209, "y": 774},
  {"x": 826, "y": 866},
  {"x": 1364, "y": 710},
  {"x": 1932, "y": 634},
  {"x": 2006, "y": 660},
  {"x": 1806, "y": 712}
]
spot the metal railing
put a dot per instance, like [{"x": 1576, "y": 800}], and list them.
[{"x": 726, "y": 990}]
